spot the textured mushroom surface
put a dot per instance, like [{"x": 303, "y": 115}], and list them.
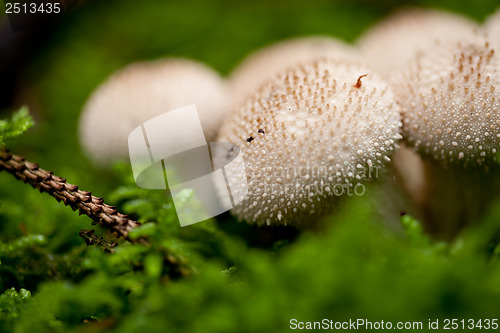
[
  {"x": 313, "y": 133},
  {"x": 492, "y": 27},
  {"x": 449, "y": 98},
  {"x": 409, "y": 170},
  {"x": 263, "y": 64},
  {"x": 142, "y": 91},
  {"x": 392, "y": 43}
]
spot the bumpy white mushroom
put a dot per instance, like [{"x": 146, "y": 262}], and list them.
[
  {"x": 263, "y": 64},
  {"x": 450, "y": 104},
  {"x": 313, "y": 133},
  {"x": 392, "y": 43},
  {"x": 142, "y": 91},
  {"x": 450, "y": 99}
]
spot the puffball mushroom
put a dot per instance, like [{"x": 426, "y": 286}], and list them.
[
  {"x": 263, "y": 64},
  {"x": 449, "y": 100},
  {"x": 142, "y": 91},
  {"x": 314, "y": 132},
  {"x": 391, "y": 44}
]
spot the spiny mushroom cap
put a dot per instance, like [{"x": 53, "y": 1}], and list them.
[
  {"x": 142, "y": 91},
  {"x": 449, "y": 100},
  {"x": 389, "y": 45},
  {"x": 313, "y": 133},
  {"x": 492, "y": 27},
  {"x": 265, "y": 63}
]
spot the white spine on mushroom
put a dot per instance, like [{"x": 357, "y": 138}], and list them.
[
  {"x": 265, "y": 63},
  {"x": 450, "y": 99},
  {"x": 392, "y": 43},
  {"x": 307, "y": 134},
  {"x": 142, "y": 91}
]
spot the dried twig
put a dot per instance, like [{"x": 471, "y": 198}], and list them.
[{"x": 83, "y": 201}]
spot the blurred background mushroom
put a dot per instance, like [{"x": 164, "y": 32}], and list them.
[
  {"x": 261, "y": 65},
  {"x": 392, "y": 43},
  {"x": 142, "y": 91}
]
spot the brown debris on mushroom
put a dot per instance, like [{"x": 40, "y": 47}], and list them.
[{"x": 358, "y": 82}]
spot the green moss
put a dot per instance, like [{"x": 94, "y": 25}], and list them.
[
  {"x": 11, "y": 303},
  {"x": 352, "y": 269},
  {"x": 20, "y": 122}
]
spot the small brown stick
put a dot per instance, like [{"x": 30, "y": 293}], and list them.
[
  {"x": 83, "y": 201},
  {"x": 358, "y": 83}
]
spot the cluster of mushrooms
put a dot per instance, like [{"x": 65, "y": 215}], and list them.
[{"x": 417, "y": 98}]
